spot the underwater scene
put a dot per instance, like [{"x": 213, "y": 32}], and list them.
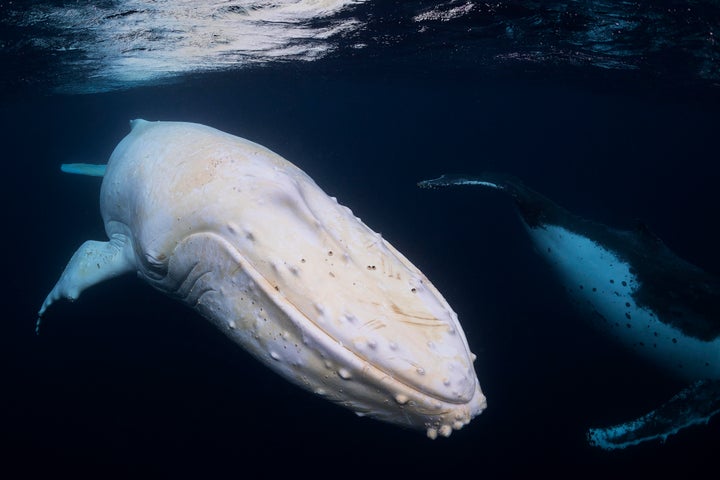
[{"x": 353, "y": 237}]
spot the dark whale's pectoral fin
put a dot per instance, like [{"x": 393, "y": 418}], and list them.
[
  {"x": 91, "y": 264},
  {"x": 451, "y": 180},
  {"x": 694, "y": 405}
]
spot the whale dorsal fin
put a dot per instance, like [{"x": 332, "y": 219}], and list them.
[{"x": 84, "y": 169}]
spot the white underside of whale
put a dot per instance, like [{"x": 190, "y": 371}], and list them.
[
  {"x": 604, "y": 286},
  {"x": 599, "y": 281}
]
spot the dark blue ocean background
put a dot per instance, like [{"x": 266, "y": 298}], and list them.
[{"x": 127, "y": 382}]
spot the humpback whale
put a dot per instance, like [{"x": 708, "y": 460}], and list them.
[
  {"x": 254, "y": 245},
  {"x": 636, "y": 289}
]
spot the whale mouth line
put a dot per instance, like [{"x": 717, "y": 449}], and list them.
[
  {"x": 385, "y": 373},
  {"x": 294, "y": 312}
]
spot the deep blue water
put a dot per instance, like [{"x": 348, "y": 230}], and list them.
[{"x": 128, "y": 381}]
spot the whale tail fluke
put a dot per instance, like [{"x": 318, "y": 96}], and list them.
[{"x": 84, "y": 169}]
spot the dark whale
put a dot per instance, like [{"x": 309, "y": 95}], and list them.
[{"x": 634, "y": 287}]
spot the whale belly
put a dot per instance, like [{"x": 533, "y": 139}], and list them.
[{"x": 604, "y": 284}]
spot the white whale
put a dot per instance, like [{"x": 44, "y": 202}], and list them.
[{"x": 252, "y": 243}]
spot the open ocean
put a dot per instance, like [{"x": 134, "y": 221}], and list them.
[{"x": 610, "y": 108}]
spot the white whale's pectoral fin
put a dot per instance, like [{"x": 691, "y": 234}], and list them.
[
  {"x": 89, "y": 169},
  {"x": 91, "y": 264},
  {"x": 694, "y": 405}
]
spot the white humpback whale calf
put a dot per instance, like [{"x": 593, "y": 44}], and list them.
[
  {"x": 636, "y": 289},
  {"x": 252, "y": 243}
]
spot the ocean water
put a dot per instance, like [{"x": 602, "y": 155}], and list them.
[{"x": 609, "y": 108}]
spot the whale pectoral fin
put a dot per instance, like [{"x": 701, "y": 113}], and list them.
[
  {"x": 450, "y": 180},
  {"x": 91, "y": 264},
  {"x": 84, "y": 169},
  {"x": 694, "y": 405},
  {"x": 497, "y": 181}
]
